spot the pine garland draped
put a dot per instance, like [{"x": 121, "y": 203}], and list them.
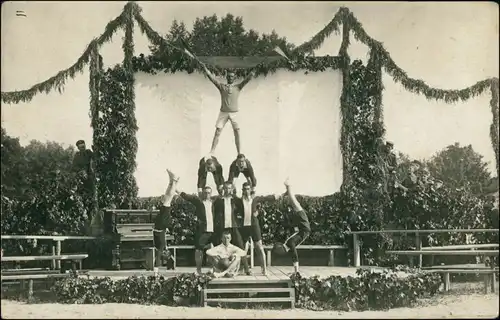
[
  {"x": 379, "y": 54},
  {"x": 58, "y": 81}
]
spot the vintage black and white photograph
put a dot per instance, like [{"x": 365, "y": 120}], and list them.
[{"x": 251, "y": 160}]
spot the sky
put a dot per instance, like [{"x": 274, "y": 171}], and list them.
[{"x": 448, "y": 45}]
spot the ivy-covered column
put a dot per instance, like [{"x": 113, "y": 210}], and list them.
[
  {"x": 115, "y": 137},
  {"x": 344, "y": 102},
  {"x": 95, "y": 69}
]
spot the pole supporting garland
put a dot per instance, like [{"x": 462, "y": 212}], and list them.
[{"x": 344, "y": 104}]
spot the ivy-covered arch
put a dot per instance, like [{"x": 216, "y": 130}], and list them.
[{"x": 112, "y": 106}]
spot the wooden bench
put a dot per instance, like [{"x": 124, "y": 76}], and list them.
[
  {"x": 418, "y": 242},
  {"x": 488, "y": 272},
  {"x": 446, "y": 252},
  {"x": 30, "y": 271},
  {"x": 56, "y": 246},
  {"x": 446, "y": 270},
  {"x": 31, "y": 274},
  {"x": 31, "y": 277},
  {"x": 75, "y": 258},
  {"x": 330, "y": 248}
]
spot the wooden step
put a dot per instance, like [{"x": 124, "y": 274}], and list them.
[
  {"x": 125, "y": 260},
  {"x": 247, "y": 290},
  {"x": 242, "y": 280},
  {"x": 284, "y": 299}
]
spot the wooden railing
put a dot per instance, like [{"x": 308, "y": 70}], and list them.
[{"x": 418, "y": 241}]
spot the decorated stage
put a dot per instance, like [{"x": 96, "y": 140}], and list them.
[
  {"x": 274, "y": 288},
  {"x": 274, "y": 272}
]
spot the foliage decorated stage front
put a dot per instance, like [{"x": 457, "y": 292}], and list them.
[{"x": 112, "y": 108}]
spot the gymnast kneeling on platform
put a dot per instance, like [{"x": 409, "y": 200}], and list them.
[{"x": 226, "y": 257}]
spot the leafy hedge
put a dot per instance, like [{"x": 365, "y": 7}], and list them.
[
  {"x": 328, "y": 223},
  {"x": 184, "y": 289},
  {"x": 351, "y": 293},
  {"x": 368, "y": 290}
]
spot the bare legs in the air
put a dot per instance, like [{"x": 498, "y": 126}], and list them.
[
  {"x": 217, "y": 134},
  {"x": 164, "y": 219},
  {"x": 171, "y": 189},
  {"x": 299, "y": 236}
]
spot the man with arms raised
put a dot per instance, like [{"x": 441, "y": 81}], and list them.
[
  {"x": 204, "y": 234},
  {"x": 249, "y": 208},
  {"x": 226, "y": 208},
  {"x": 302, "y": 229},
  {"x": 229, "y": 93},
  {"x": 226, "y": 257}
]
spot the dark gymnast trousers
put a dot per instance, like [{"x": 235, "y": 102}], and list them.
[
  {"x": 301, "y": 221},
  {"x": 162, "y": 221}
]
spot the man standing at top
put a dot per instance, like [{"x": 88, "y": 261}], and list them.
[
  {"x": 206, "y": 165},
  {"x": 242, "y": 165},
  {"x": 226, "y": 208},
  {"x": 229, "y": 93}
]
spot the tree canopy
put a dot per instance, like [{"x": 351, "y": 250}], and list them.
[{"x": 460, "y": 167}]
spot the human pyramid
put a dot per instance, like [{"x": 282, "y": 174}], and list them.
[{"x": 227, "y": 222}]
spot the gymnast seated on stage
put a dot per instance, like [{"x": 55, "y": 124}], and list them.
[
  {"x": 226, "y": 257},
  {"x": 210, "y": 164}
]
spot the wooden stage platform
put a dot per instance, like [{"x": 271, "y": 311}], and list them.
[{"x": 274, "y": 272}]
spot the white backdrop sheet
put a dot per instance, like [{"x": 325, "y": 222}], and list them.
[{"x": 290, "y": 127}]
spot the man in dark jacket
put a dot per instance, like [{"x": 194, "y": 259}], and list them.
[
  {"x": 212, "y": 165},
  {"x": 242, "y": 165},
  {"x": 206, "y": 223},
  {"x": 83, "y": 166},
  {"x": 226, "y": 209}
]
